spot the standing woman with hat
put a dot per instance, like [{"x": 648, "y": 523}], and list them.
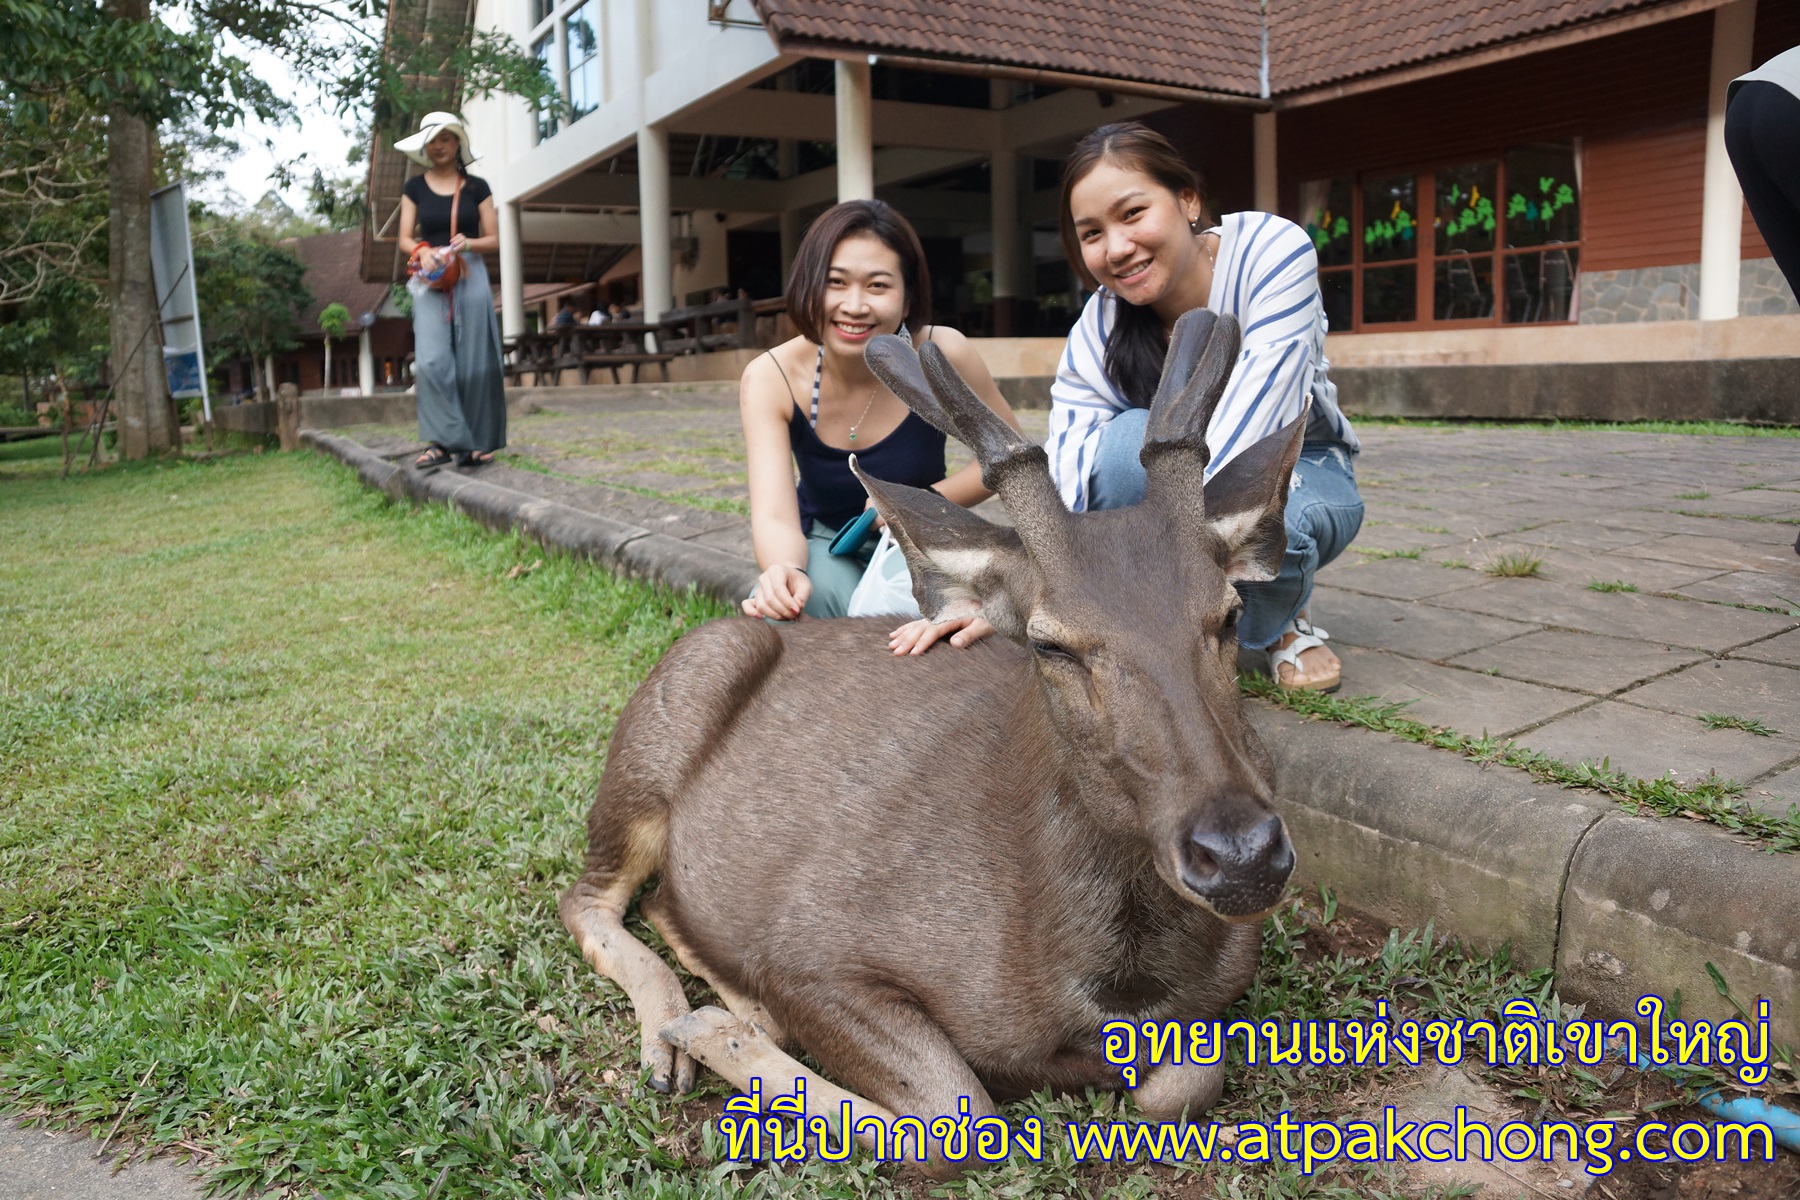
[{"x": 447, "y": 220}]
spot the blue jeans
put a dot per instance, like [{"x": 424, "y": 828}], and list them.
[
  {"x": 834, "y": 577},
  {"x": 1324, "y": 512}
]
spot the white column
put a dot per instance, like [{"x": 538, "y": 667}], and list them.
[
  {"x": 1267, "y": 188},
  {"x": 1722, "y": 206},
  {"x": 855, "y": 133},
  {"x": 654, "y": 218},
  {"x": 365, "y": 363},
  {"x": 512, "y": 270}
]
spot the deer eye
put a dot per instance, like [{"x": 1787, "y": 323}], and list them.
[
  {"x": 1229, "y": 626},
  {"x": 1052, "y": 650}
]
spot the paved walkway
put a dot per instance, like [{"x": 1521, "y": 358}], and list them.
[{"x": 1666, "y": 583}]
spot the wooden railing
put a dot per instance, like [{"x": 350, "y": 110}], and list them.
[{"x": 736, "y": 324}]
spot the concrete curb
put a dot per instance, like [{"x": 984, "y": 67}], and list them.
[
  {"x": 1619, "y": 906},
  {"x": 629, "y": 550}
]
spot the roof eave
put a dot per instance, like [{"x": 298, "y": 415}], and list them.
[
  {"x": 1480, "y": 56},
  {"x": 818, "y": 48}
]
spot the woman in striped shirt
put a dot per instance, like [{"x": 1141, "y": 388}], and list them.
[{"x": 1132, "y": 227}]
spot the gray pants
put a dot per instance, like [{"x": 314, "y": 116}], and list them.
[{"x": 456, "y": 364}]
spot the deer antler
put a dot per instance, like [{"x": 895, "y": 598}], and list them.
[
  {"x": 1202, "y": 351},
  {"x": 1011, "y": 463}
]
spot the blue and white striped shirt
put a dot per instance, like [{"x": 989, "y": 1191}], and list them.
[{"x": 1266, "y": 274}]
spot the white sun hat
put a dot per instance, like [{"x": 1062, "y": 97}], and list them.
[{"x": 433, "y": 124}]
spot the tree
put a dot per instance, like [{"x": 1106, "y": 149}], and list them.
[
  {"x": 121, "y": 59},
  {"x": 334, "y": 318},
  {"x": 251, "y": 290}
]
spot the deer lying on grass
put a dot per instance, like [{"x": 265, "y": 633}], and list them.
[{"x": 940, "y": 876}]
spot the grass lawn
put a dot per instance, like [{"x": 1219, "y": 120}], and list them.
[{"x": 289, "y": 781}]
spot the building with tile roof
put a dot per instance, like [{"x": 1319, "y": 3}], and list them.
[{"x": 1474, "y": 172}]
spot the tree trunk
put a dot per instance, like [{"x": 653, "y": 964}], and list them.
[
  {"x": 327, "y": 385},
  {"x": 141, "y": 394}
]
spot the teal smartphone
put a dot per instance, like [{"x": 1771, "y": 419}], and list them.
[{"x": 851, "y": 538}]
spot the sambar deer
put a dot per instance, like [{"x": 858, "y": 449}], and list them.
[{"x": 941, "y": 875}]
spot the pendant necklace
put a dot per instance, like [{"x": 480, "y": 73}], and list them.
[{"x": 865, "y": 411}]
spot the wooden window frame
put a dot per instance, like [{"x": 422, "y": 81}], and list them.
[{"x": 1425, "y": 261}]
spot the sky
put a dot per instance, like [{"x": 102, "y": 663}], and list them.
[{"x": 317, "y": 137}]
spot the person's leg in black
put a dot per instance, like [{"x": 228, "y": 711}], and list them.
[{"x": 1762, "y": 135}]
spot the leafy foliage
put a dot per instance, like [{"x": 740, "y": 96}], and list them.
[{"x": 251, "y": 290}]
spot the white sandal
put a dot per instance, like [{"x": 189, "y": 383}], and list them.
[{"x": 1309, "y": 636}]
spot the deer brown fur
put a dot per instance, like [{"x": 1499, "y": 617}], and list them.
[{"x": 941, "y": 875}]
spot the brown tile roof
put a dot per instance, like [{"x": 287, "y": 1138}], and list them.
[
  {"x": 1213, "y": 45},
  {"x": 1318, "y": 42},
  {"x": 334, "y": 275}
]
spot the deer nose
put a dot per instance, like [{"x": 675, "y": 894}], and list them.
[{"x": 1242, "y": 872}]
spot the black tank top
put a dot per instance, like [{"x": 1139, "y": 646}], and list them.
[{"x": 913, "y": 454}]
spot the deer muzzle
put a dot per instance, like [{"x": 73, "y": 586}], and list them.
[{"x": 1239, "y": 874}]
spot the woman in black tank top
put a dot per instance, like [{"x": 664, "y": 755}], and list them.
[{"x": 812, "y": 402}]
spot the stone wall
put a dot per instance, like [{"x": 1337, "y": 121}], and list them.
[
  {"x": 1673, "y": 293},
  {"x": 1763, "y": 291}
]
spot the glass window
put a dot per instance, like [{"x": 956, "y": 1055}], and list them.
[
  {"x": 545, "y": 52},
  {"x": 540, "y": 11},
  {"x": 1390, "y": 294},
  {"x": 1504, "y": 246},
  {"x": 1463, "y": 288},
  {"x": 1338, "y": 291},
  {"x": 1390, "y": 218},
  {"x": 1325, "y": 205},
  {"x": 1465, "y": 207},
  {"x": 583, "y": 34},
  {"x": 1541, "y": 205},
  {"x": 1540, "y": 286}
]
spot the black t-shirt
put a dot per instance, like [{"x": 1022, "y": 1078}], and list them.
[{"x": 434, "y": 210}]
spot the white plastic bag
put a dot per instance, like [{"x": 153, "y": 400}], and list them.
[{"x": 886, "y": 587}]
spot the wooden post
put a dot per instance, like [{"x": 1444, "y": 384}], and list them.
[
  {"x": 746, "y": 323},
  {"x": 287, "y": 415}
]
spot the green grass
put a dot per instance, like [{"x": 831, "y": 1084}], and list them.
[
  {"x": 1514, "y": 564},
  {"x": 289, "y": 781},
  {"x": 1378, "y": 555},
  {"x": 1610, "y": 585},
  {"x": 1712, "y": 799},
  {"x": 33, "y": 448},
  {"x": 1693, "y": 495},
  {"x": 1747, "y": 724}
]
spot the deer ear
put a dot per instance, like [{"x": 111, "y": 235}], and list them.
[
  {"x": 962, "y": 566},
  {"x": 1246, "y": 501}
]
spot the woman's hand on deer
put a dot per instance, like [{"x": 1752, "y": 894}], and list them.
[
  {"x": 781, "y": 593},
  {"x": 916, "y": 637}
]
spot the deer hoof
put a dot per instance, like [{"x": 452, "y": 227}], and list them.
[{"x": 671, "y": 1069}]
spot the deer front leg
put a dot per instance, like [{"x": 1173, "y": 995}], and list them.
[
  {"x": 892, "y": 1052},
  {"x": 1170, "y": 1089},
  {"x": 744, "y": 1008},
  {"x": 593, "y": 911}
]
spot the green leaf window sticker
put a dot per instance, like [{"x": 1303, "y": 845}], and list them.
[
  {"x": 1326, "y": 229},
  {"x": 1555, "y": 196},
  {"x": 1479, "y": 211},
  {"x": 1398, "y": 227}
]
